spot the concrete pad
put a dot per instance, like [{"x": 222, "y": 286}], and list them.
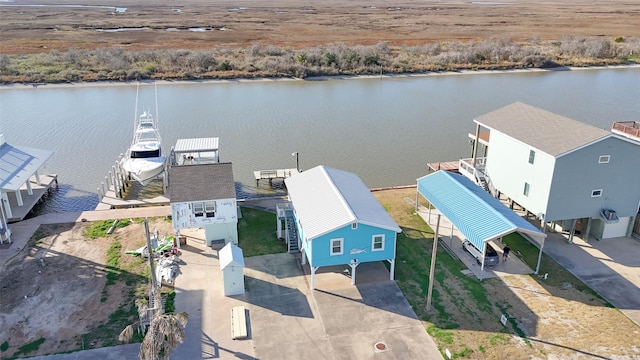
[
  {"x": 199, "y": 293},
  {"x": 337, "y": 320}
]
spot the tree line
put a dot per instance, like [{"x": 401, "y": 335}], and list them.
[{"x": 259, "y": 61}]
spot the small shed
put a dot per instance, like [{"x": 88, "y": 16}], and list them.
[{"x": 232, "y": 268}]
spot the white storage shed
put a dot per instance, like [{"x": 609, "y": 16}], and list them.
[{"x": 232, "y": 268}]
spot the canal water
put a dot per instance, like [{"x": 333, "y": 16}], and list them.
[{"x": 384, "y": 129}]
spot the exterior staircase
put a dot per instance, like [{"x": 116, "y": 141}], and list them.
[{"x": 291, "y": 233}]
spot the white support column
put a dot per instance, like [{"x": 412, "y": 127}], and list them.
[
  {"x": 304, "y": 256},
  {"x": 392, "y": 268},
  {"x": 279, "y": 232},
  {"x": 484, "y": 250},
  {"x": 29, "y": 188},
  {"x": 7, "y": 205},
  {"x": 353, "y": 264},
  {"x": 5, "y": 226},
  {"x": 19, "y": 198},
  {"x": 38, "y": 181},
  {"x": 313, "y": 277}
]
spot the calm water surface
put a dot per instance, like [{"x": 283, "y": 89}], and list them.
[{"x": 385, "y": 130}]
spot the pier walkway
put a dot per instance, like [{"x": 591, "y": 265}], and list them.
[{"x": 274, "y": 174}]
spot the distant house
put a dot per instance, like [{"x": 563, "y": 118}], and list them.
[
  {"x": 204, "y": 196},
  {"x": 337, "y": 221},
  {"x": 573, "y": 175}
]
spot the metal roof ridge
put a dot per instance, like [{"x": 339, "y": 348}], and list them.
[{"x": 341, "y": 197}]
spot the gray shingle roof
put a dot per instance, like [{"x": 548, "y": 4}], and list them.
[
  {"x": 548, "y": 132},
  {"x": 201, "y": 182}
]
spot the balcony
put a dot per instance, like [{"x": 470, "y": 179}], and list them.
[
  {"x": 474, "y": 172},
  {"x": 630, "y": 129}
]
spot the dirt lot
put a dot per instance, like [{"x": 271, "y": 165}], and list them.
[
  {"x": 300, "y": 24},
  {"x": 56, "y": 288}
]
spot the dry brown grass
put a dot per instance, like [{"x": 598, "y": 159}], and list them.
[{"x": 297, "y": 24}]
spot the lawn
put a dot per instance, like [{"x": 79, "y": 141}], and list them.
[{"x": 257, "y": 233}]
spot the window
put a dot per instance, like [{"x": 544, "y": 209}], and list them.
[
  {"x": 532, "y": 156},
  {"x": 596, "y": 193},
  {"x": 198, "y": 208},
  {"x": 354, "y": 226},
  {"x": 210, "y": 208},
  {"x": 604, "y": 159},
  {"x": 336, "y": 246},
  {"x": 526, "y": 189},
  {"x": 377, "y": 243}
]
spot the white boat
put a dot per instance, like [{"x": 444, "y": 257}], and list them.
[{"x": 144, "y": 160}]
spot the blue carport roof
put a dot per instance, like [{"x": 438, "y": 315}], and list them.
[{"x": 479, "y": 216}]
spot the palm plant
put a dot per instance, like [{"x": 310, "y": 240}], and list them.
[{"x": 164, "y": 330}]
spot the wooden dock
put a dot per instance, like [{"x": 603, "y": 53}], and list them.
[
  {"x": 274, "y": 174},
  {"x": 445, "y": 165},
  {"x": 135, "y": 195},
  {"x": 39, "y": 191}
]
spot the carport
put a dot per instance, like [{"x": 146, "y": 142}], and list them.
[{"x": 478, "y": 216}]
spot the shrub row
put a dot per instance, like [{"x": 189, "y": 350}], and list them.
[{"x": 116, "y": 64}]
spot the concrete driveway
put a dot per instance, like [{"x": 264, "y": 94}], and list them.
[
  {"x": 287, "y": 320},
  {"x": 335, "y": 321}
]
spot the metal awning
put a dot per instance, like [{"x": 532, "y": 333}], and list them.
[
  {"x": 479, "y": 216},
  {"x": 18, "y": 164}
]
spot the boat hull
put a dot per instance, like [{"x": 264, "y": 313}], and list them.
[{"x": 143, "y": 170}]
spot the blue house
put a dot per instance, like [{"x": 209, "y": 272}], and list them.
[{"x": 338, "y": 221}]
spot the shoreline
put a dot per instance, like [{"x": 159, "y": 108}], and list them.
[{"x": 23, "y": 86}]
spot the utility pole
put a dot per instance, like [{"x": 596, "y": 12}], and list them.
[{"x": 433, "y": 263}]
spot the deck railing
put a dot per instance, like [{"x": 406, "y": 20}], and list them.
[
  {"x": 473, "y": 173},
  {"x": 631, "y": 128}
]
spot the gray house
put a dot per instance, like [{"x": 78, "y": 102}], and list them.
[
  {"x": 577, "y": 177},
  {"x": 204, "y": 196}
]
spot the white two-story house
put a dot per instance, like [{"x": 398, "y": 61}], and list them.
[
  {"x": 204, "y": 196},
  {"x": 576, "y": 177}
]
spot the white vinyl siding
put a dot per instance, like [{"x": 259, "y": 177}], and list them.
[
  {"x": 377, "y": 242},
  {"x": 337, "y": 247}
]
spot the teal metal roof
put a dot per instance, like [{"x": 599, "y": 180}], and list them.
[{"x": 479, "y": 216}]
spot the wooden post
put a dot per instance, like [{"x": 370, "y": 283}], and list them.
[{"x": 433, "y": 263}]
